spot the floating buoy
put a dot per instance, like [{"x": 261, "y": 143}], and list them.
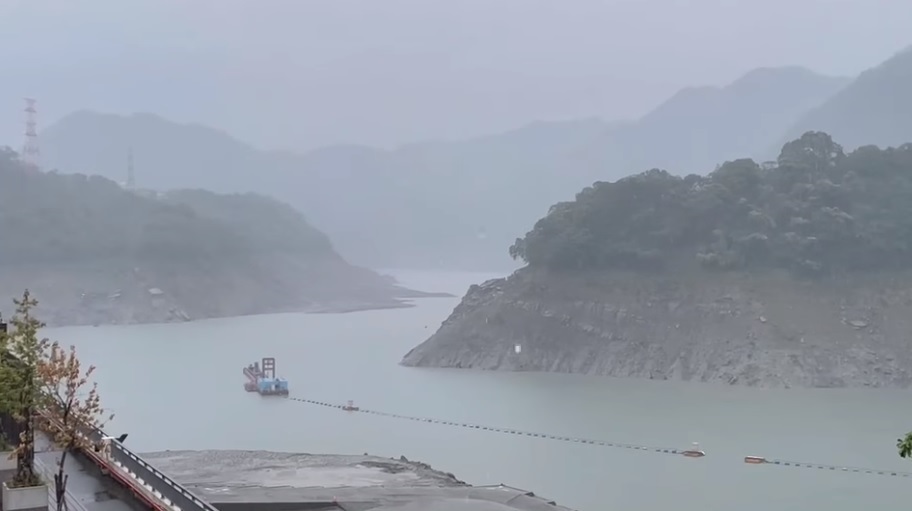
[
  {"x": 517, "y": 349},
  {"x": 694, "y": 451},
  {"x": 507, "y": 431}
]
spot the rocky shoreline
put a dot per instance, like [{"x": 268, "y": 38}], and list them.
[
  {"x": 168, "y": 311},
  {"x": 112, "y": 292},
  {"x": 764, "y": 329}
]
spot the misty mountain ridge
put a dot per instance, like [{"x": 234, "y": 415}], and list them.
[
  {"x": 446, "y": 204},
  {"x": 875, "y": 109},
  {"x": 698, "y": 127},
  {"x": 95, "y": 253}
]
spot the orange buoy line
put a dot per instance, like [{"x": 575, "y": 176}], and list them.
[
  {"x": 693, "y": 452},
  {"x": 760, "y": 460}
]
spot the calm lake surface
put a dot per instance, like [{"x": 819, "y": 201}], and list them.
[{"x": 179, "y": 386}]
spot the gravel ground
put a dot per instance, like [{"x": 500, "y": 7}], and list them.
[
  {"x": 277, "y": 469},
  {"x": 258, "y": 479}
]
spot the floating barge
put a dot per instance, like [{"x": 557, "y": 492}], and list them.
[{"x": 262, "y": 379}]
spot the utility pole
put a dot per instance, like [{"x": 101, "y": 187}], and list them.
[{"x": 131, "y": 178}]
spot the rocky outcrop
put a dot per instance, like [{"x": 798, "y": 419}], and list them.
[{"x": 757, "y": 329}]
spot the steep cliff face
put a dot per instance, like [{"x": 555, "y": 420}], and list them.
[{"x": 760, "y": 329}]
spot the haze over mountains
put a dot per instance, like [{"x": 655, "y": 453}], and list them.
[
  {"x": 96, "y": 253},
  {"x": 876, "y": 108},
  {"x": 459, "y": 204},
  {"x": 290, "y": 74}
]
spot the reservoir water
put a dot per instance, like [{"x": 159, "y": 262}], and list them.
[{"x": 179, "y": 386}]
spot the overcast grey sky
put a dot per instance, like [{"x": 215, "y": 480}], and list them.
[{"x": 303, "y": 73}]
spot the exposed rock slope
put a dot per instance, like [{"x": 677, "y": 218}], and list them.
[
  {"x": 796, "y": 273},
  {"x": 764, "y": 329}
]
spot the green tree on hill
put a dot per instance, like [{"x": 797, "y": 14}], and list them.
[
  {"x": 21, "y": 392},
  {"x": 817, "y": 211}
]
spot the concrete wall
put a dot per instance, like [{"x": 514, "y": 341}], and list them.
[{"x": 33, "y": 498}]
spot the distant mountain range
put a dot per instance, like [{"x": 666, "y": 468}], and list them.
[
  {"x": 459, "y": 204},
  {"x": 875, "y": 108}
]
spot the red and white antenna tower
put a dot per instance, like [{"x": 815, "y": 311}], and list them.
[{"x": 30, "y": 151}]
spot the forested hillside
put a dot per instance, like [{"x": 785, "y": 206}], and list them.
[
  {"x": 818, "y": 210},
  {"x": 66, "y": 218},
  {"x": 95, "y": 252}
]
